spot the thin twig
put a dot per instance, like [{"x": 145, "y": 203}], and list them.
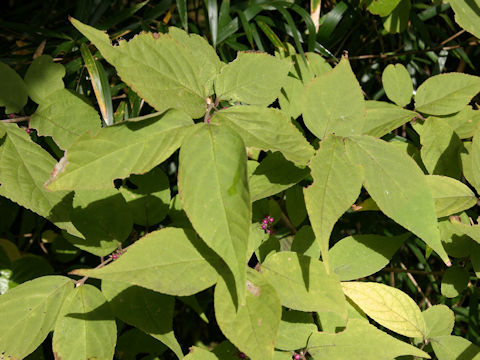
[
  {"x": 414, "y": 282},
  {"x": 16, "y": 120},
  {"x": 452, "y": 37}
]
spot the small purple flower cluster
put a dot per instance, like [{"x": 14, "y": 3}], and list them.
[
  {"x": 266, "y": 222},
  {"x": 115, "y": 255}
]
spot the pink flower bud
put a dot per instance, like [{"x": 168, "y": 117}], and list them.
[
  {"x": 297, "y": 356},
  {"x": 11, "y": 116},
  {"x": 264, "y": 221},
  {"x": 270, "y": 219},
  {"x": 269, "y": 231},
  {"x": 241, "y": 355},
  {"x": 264, "y": 226},
  {"x": 28, "y": 131},
  {"x": 114, "y": 256}
]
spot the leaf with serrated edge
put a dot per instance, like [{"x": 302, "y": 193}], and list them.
[
  {"x": 266, "y": 129},
  {"x": 254, "y": 326},
  {"x": 30, "y": 309},
  {"x": 446, "y": 93},
  {"x": 117, "y": 151},
  {"x": 450, "y": 196},
  {"x": 24, "y": 168},
  {"x": 382, "y": 117},
  {"x": 397, "y": 84},
  {"x": 359, "y": 256},
  {"x": 167, "y": 71},
  {"x": 452, "y": 347},
  {"x": 398, "y": 186},
  {"x": 388, "y": 306},
  {"x": 441, "y": 148},
  {"x": 64, "y": 117},
  {"x": 213, "y": 187},
  {"x": 85, "y": 328},
  {"x": 333, "y": 103},
  {"x": 145, "y": 309},
  {"x": 336, "y": 186},
  {"x": 171, "y": 261},
  {"x": 360, "y": 341},
  {"x": 439, "y": 320},
  {"x": 253, "y": 78},
  {"x": 302, "y": 283}
]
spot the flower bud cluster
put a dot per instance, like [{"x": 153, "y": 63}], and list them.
[{"x": 266, "y": 222}]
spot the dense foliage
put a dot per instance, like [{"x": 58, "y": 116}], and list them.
[{"x": 165, "y": 191}]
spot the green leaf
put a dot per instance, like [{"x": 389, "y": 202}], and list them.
[
  {"x": 305, "y": 243},
  {"x": 333, "y": 103},
  {"x": 253, "y": 78},
  {"x": 295, "y": 329},
  {"x": 454, "y": 281},
  {"x": 467, "y": 15},
  {"x": 149, "y": 200},
  {"x": 64, "y": 116},
  {"x": 28, "y": 267},
  {"x": 295, "y": 205},
  {"x": 446, "y": 93},
  {"x": 266, "y": 129},
  {"x": 102, "y": 217},
  {"x": 336, "y": 185},
  {"x": 441, "y": 148},
  {"x": 226, "y": 351},
  {"x": 43, "y": 78},
  {"x": 388, "y": 306},
  {"x": 474, "y": 161},
  {"x": 439, "y": 320},
  {"x": 360, "y": 256},
  {"x": 302, "y": 283},
  {"x": 450, "y": 195},
  {"x": 86, "y": 327},
  {"x": 213, "y": 187},
  {"x": 395, "y": 182},
  {"x": 382, "y": 7},
  {"x": 456, "y": 237},
  {"x": 465, "y": 122},
  {"x": 94, "y": 161},
  {"x": 398, "y": 20},
  {"x": 397, "y": 84},
  {"x": 171, "y": 261},
  {"x": 24, "y": 168},
  {"x": 360, "y": 341},
  {"x": 382, "y": 117},
  {"x": 454, "y": 348},
  {"x": 145, "y": 309},
  {"x": 197, "y": 353},
  {"x": 133, "y": 342},
  {"x": 290, "y": 97},
  {"x": 274, "y": 174},
  {"x": 253, "y": 327},
  {"x": 13, "y": 93},
  {"x": 168, "y": 71},
  {"x": 31, "y": 310}
]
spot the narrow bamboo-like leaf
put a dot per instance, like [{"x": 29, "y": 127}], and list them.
[
  {"x": 302, "y": 283},
  {"x": 266, "y": 129},
  {"x": 86, "y": 327},
  {"x": 441, "y": 148},
  {"x": 382, "y": 7},
  {"x": 398, "y": 186},
  {"x": 360, "y": 341},
  {"x": 397, "y": 84},
  {"x": 43, "y": 78},
  {"x": 333, "y": 103},
  {"x": 31, "y": 310},
  {"x": 388, "y": 306},
  {"x": 467, "y": 15},
  {"x": 254, "y": 326},
  {"x": 274, "y": 174},
  {"x": 336, "y": 186},
  {"x": 171, "y": 261},
  {"x": 452, "y": 347},
  {"x": 182, "y": 11},
  {"x": 439, "y": 320},
  {"x": 24, "y": 168},
  {"x": 145, "y": 309},
  {"x": 13, "y": 92},
  {"x": 100, "y": 84},
  {"x": 213, "y": 187},
  {"x": 360, "y": 256},
  {"x": 94, "y": 161},
  {"x": 253, "y": 78},
  {"x": 295, "y": 329},
  {"x": 446, "y": 93},
  {"x": 166, "y": 71},
  {"x": 454, "y": 281},
  {"x": 65, "y": 117},
  {"x": 382, "y": 117},
  {"x": 450, "y": 195}
]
